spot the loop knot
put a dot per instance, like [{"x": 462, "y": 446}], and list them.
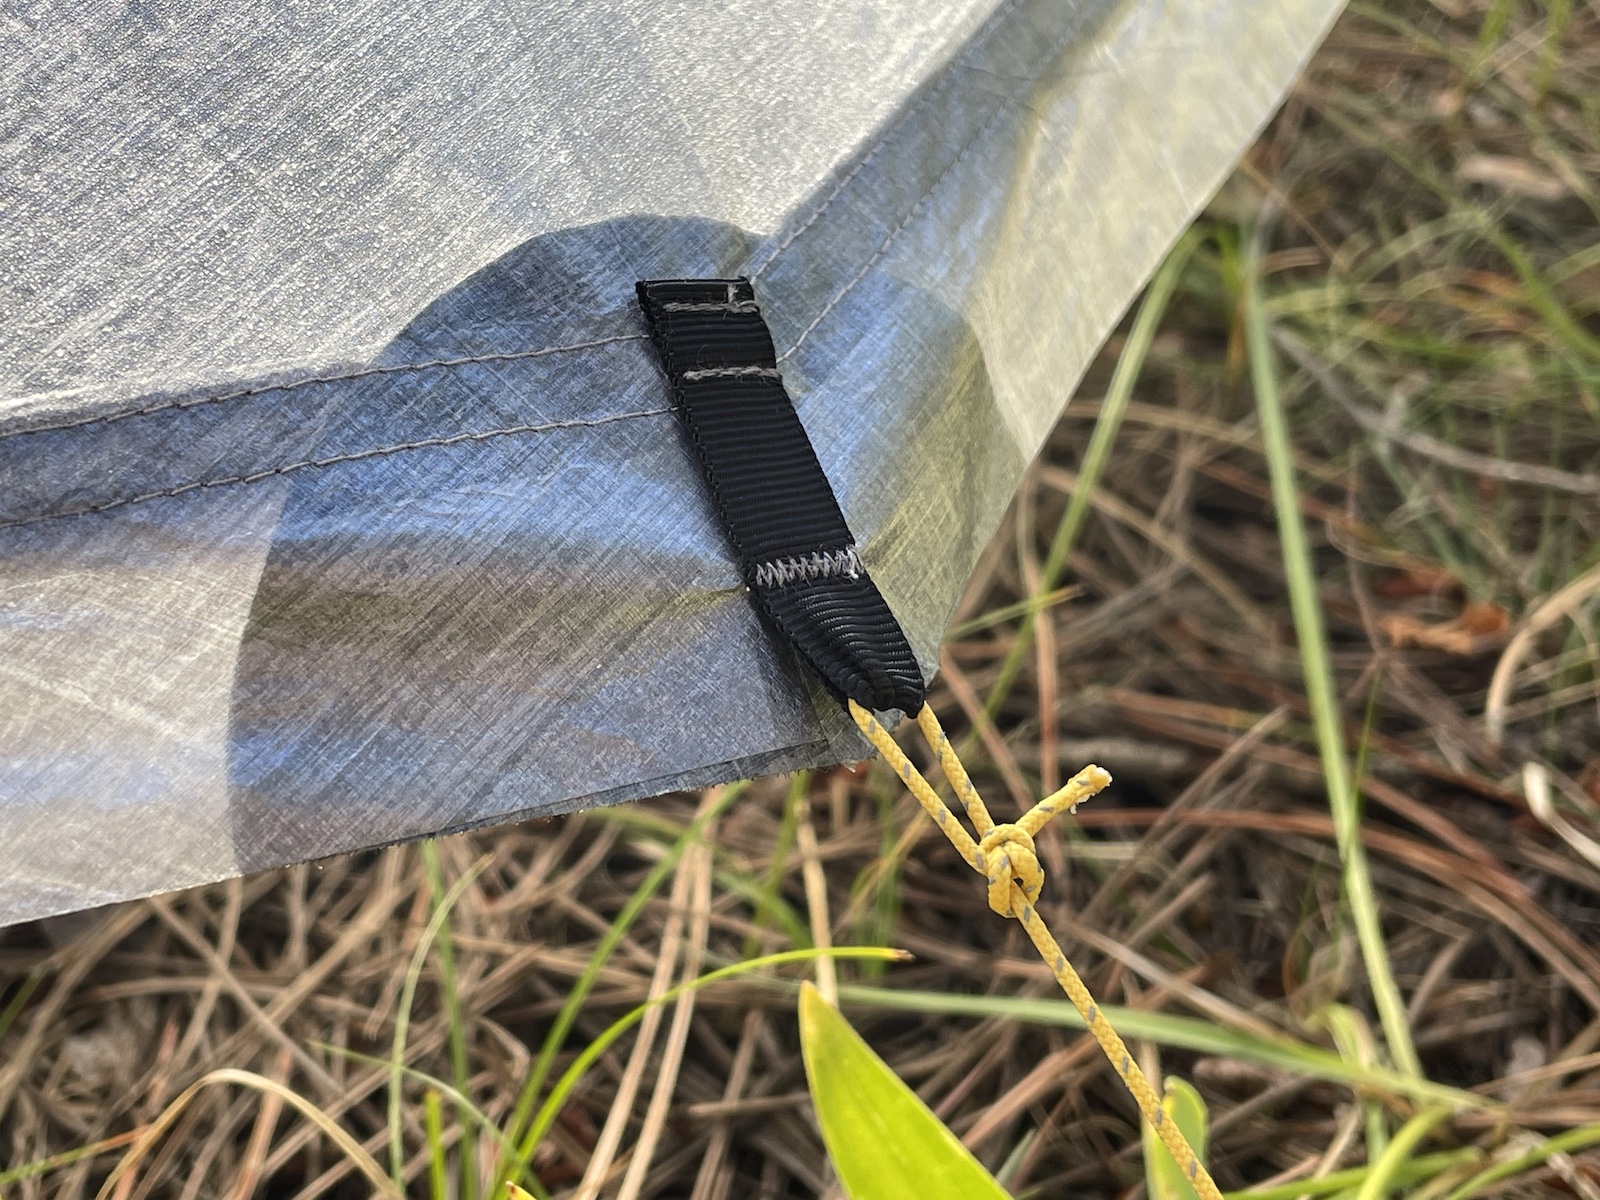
[{"x": 1008, "y": 855}]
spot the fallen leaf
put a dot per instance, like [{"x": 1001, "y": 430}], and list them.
[
  {"x": 1480, "y": 626},
  {"x": 1483, "y": 617}
]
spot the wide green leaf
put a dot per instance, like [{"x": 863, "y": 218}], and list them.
[
  {"x": 885, "y": 1143},
  {"x": 1164, "y": 1179}
]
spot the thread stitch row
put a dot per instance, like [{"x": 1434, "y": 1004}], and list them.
[
  {"x": 994, "y": 23},
  {"x": 824, "y": 564},
  {"x": 732, "y": 373},
  {"x": 449, "y": 363},
  {"x": 733, "y": 306},
  {"x": 364, "y": 373},
  {"x": 995, "y": 20},
  {"x": 1044, "y": 64},
  {"x": 333, "y": 460}
]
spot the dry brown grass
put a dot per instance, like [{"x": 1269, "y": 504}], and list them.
[{"x": 1431, "y": 196}]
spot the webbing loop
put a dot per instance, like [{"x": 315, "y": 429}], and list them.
[
  {"x": 1005, "y": 856},
  {"x": 772, "y": 497},
  {"x": 800, "y": 561}
]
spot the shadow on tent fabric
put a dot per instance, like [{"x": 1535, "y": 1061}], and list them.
[{"x": 501, "y": 590}]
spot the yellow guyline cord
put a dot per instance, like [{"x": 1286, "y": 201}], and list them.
[{"x": 1005, "y": 856}]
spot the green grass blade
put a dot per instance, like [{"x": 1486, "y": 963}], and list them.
[
  {"x": 24, "y": 993},
  {"x": 1566, "y": 1143},
  {"x": 1381, "y": 1180},
  {"x": 463, "y": 1103},
  {"x": 602, "y": 953},
  {"x": 885, "y": 1143},
  {"x": 67, "y": 1158},
  {"x": 1031, "y": 607},
  {"x": 1353, "y": 1039},
  {"x": 1164, "y": 1179},
  {"x": 1314, "y": 657},
  {"x": 573, "y": 1075},
  {"x": 1492, "y": 30},
  {"x": 452, "y": 1007},
  {"x": 1098, "y": 453},
  {"x": 433, "y": 1125},
  {"x": 877, "y": 924},
  {"x": 402, "y": 1019},
  {"x": 767, "y": 900},
  {"x": 1550, "y": 53},
  {"x": 741, "y": 883},
  {"x": 1413, "y": 1170},
  {"x": 1542, "y": 297},
  {"x": 1182, "y": 1033}
]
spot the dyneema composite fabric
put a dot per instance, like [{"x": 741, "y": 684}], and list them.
[{"x": 343, "y": 502}]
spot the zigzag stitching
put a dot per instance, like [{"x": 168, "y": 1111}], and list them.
[{"x": 824, "y": 564}]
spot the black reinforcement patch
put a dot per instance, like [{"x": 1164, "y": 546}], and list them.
[{"x": 794, "y": 548}]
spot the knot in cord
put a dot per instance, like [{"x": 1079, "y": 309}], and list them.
[
  {"x": 1005, "y": 855},
  {"x": 1008, "y": 855}
]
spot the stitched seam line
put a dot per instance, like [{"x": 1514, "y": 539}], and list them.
[
  {"x": 735, "y": 306},
  {"x": 334, "y": 460},
  {"x": 824, "y": 564},
  {"x": 996, "y": 19},
  {"x": 731, "y": 373},
  {"x": 1044, "y": 64},
  {"x": 990, "y": 26},
  {"x": 993, "y": 23},
  {"x": 364, "y": 373}
]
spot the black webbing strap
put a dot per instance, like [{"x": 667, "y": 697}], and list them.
[{"x": 776, "y": 504}]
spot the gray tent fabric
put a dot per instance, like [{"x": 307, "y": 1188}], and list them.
[{"x": 343, "y": 502}]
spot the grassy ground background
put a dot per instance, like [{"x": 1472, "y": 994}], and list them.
[{"x": 1412, "y": 248}]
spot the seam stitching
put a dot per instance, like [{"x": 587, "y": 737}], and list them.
[
  {"x": 731, "y": 373},
  {"x": 977, "y": 140},
  {"x": 455, "y": 439},
  {"x": 995, "y": 20},
  {"x": 364, "y": 373},
  {"x": 823, "y": 564},
  {"x": 994, "y": 23},
  {"x": 731, "y": 306}
]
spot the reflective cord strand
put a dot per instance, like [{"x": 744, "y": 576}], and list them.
[{"x": 1004, "y": 855}]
